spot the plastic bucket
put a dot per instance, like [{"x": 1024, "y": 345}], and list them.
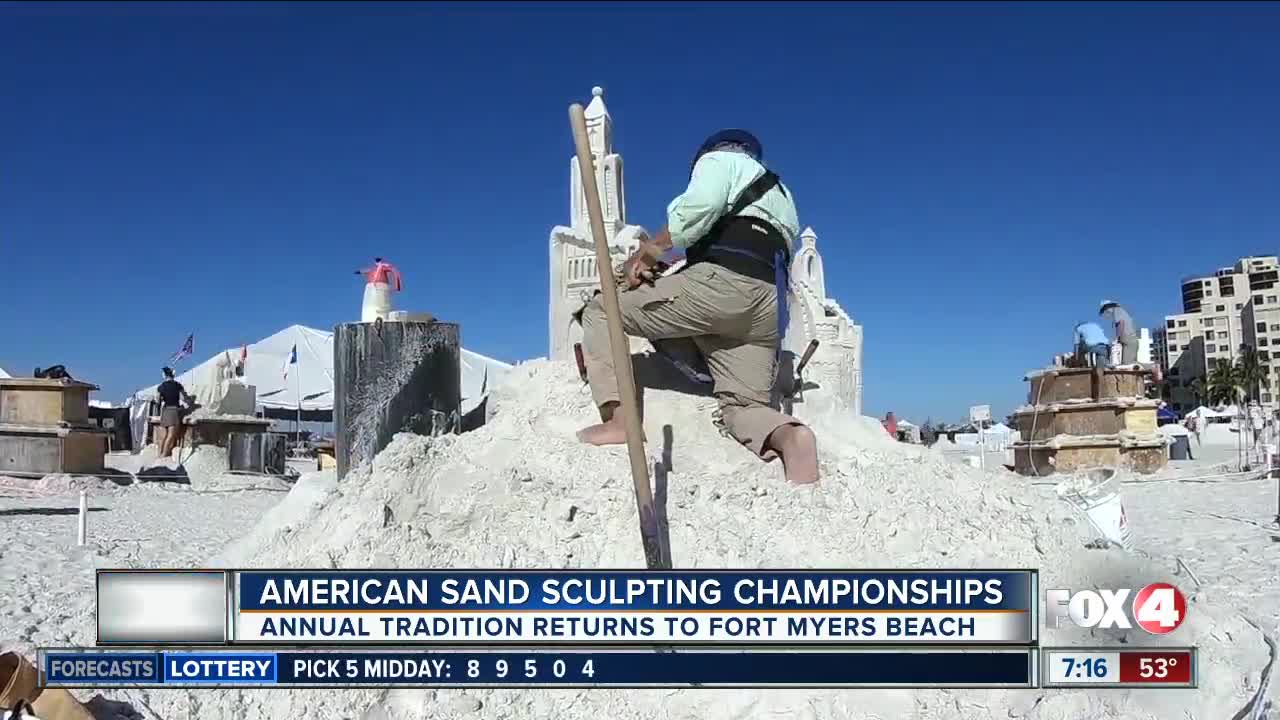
[
  {"x": 377, "y": 302},
  {"x": 1098, "y": 497}
]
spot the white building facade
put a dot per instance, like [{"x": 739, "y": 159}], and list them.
[
  {"x": 1234, "y": 306},
  {"x": 836, "y": 366}
]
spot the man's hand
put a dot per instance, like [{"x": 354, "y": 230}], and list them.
[
  {"x": 635, "y": 272},
  {"x": 639, "y": 268},
  {"x": 662, "y": 240}
]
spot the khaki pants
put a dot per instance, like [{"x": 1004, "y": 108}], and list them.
[
  {"x": 733, "y": 321},
  {"x": 1128, "y": 350}
]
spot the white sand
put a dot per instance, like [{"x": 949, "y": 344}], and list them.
[{"x": 500, "y": 497}]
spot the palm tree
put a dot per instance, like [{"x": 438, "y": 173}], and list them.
[
  {"x": 1248, "y": 371},
  {"x": 1224, "y": 386}
]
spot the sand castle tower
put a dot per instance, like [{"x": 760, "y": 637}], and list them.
[
  {"x": 573, "y": 253},
  {"x": 836, "y": 367}
]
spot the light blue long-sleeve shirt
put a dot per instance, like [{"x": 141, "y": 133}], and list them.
[
  {"x": 719, "y": 177},
  {"x": 1090, "y": 334}
]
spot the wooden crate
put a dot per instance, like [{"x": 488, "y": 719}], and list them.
[
  {"x": 46, "y": 451},
  {"x": 1143, "y": 459},
  {"x": 1048, "y": 461},
  {"x": 1139, "y": 420},
  {"x": 1061, "y": 384},
  {"x": 1093, "y": 418},
  {"x": 31, "y": 401}
]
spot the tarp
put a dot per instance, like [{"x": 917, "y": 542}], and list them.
[
  {"x": 310, "y": 382},
  {"x": 3, "y": 374}
]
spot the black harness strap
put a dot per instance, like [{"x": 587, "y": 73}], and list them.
[{"x": 748, "y": 197}]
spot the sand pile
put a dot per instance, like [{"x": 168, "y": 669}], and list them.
[
  {"x": 522, "y": 493},
  {"x": 204, "y": 468}
]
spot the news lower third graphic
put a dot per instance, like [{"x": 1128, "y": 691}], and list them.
[
  {"x": 527, "y": 607},
  {"x": 674, "y": 629}
]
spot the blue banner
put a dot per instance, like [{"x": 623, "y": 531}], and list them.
[
  {"x": 600, "y": 668},
  {"x": 578, "y": 591}
]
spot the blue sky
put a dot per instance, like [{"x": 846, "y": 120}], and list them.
[{"x": 979, "y": 176}]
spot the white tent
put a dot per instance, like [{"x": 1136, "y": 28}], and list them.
[
  {"x": 3, "y": 374},
  {"x": 309, "y": 383},
  {"x": 1204, "y": 412},
  {"x": 999, "y": 436}
]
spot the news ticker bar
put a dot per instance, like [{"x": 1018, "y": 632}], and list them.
[
  {"x": 610, "y": 667},
  {"x": 494, "y": 668},
  {"x": 558, "y": 608}
]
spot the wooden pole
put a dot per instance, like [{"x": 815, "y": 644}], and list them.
[{"x": 618, "y": 346}]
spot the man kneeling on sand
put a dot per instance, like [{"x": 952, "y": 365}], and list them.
[{"x": 736, "y": 223}]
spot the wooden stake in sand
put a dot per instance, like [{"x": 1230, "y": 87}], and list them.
[
  {"x": 84, "y": 518},
  {"x": 619, "y": 346}
]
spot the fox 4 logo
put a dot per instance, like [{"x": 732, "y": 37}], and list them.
[{"x": 1158, "y": 608}]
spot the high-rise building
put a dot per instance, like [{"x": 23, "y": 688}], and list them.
[{"x": 1235, "y": 306}]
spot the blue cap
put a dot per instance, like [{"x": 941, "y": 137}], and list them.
[{"x": 735, "y": 136}]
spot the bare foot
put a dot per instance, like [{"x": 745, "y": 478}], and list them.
[
  {"x": 799, "y": 450},
  {"x": 610, "y": 432}
]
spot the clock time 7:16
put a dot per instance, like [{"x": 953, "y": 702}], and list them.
[{"x": 1092, "y": 668}]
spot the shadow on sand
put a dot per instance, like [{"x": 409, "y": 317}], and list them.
[
  {"x": 46, "y": 511},
  {"x": 161, "y": 473}
]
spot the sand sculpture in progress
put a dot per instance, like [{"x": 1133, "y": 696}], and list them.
[{"x": 836, "y": 367}]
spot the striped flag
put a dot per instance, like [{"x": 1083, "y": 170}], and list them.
[
  {"x": 185, "y": 351},
  {"x": 291, "y": 360}
]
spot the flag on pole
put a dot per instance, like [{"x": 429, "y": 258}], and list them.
[
  {"x": 291, "y": 360},
  {"x": 186, "y": 350}
]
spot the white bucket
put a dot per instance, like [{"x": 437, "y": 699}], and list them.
[
  {"x": 377, "y": 302},
  {"x": 1098, "y": 498}
]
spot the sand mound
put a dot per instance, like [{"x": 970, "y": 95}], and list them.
[{"x": 521, "y": 492}]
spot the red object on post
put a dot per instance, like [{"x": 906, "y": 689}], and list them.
[{"x": 383, "y": 272}]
